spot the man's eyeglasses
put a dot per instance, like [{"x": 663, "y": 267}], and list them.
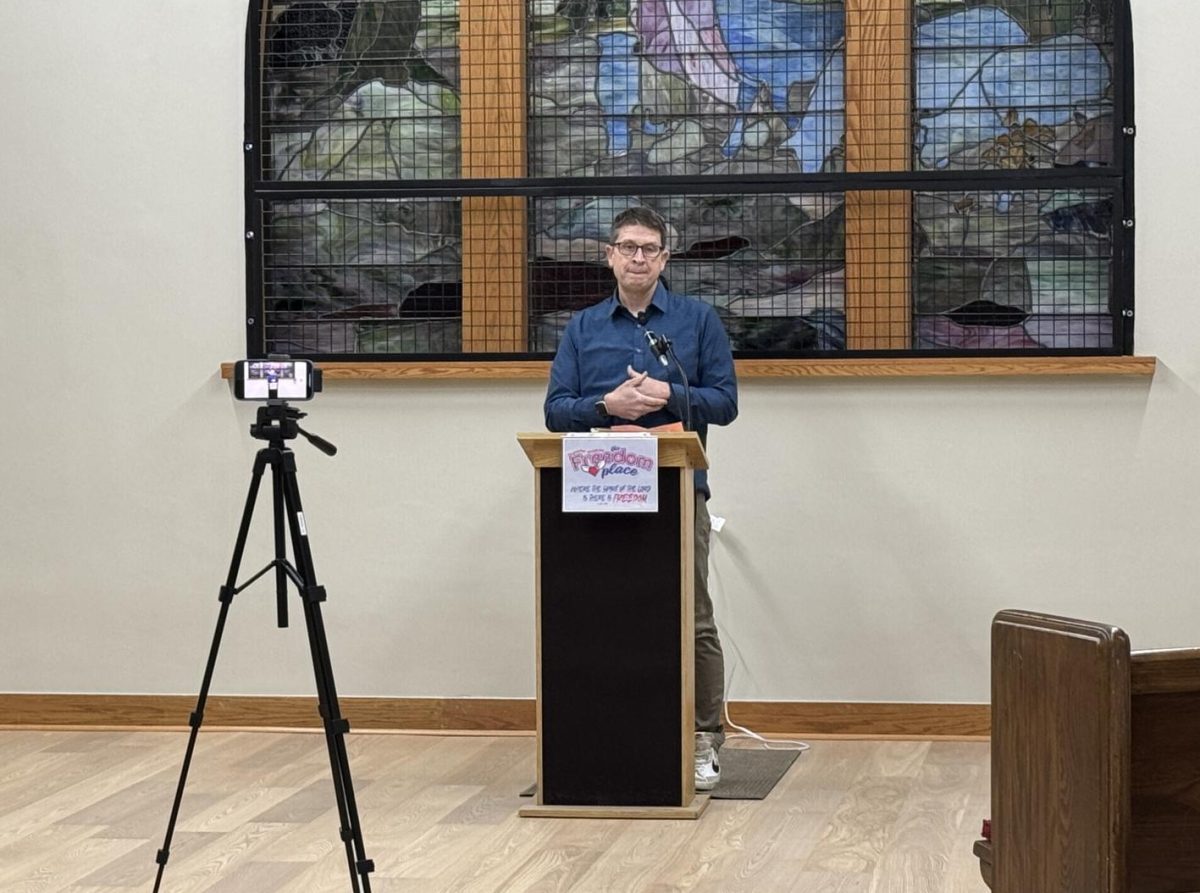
[{"x": 629, "y": 249}]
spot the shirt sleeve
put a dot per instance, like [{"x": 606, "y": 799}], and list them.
[
  {"x": 567, "y": 409},
  {"x": 714, "y": 392}
]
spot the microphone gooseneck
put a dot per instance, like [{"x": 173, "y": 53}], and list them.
[
  {"x": 687, "y": 388},
  {"x": 661, "y": 347}
]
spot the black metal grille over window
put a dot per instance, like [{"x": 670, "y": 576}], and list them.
[{"x": 437, "y": 179}]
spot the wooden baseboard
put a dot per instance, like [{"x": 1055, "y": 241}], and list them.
[
  {"x": 473, "y": 714},
  {"x": 878, "y": 720},
  {"x": 441, "y": 714}
]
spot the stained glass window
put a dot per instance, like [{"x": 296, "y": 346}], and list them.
[
  {"x": 1013, "y": 88},
  {"x": 1016, "y": 86},
  {"x": 438, "y": 178},
  {"x": 360, "y": 91}
]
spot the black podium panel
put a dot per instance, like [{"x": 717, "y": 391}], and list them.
[{"x": 611, "y": 705}]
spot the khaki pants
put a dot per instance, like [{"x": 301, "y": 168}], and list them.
[{"x": 710, "y": 661}]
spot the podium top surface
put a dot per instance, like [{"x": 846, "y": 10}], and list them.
[{"x": 681, "y": 449}]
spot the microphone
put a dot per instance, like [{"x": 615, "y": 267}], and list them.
[
  {"x": 641, "y": 317},
  {"x": 659, "y": 346}
]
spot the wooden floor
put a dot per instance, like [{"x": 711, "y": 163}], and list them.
[{"x": 86, "y": 811}]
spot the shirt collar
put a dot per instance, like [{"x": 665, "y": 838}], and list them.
[{"x": 658, "y": 301}]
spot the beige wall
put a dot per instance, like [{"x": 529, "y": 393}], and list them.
[{"x": 873, "y": 528}]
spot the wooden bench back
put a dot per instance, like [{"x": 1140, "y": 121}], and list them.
[
  {"x": 1060, "y": 748},
  {"x": 1164, "y": 826},
  {"x": 1095, "y": 760}
]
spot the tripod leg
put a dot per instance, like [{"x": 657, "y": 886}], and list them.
[
  {"x": 335, "y": 725},
  {"x": 281, "y": 608},
  {"x": 197, "y": 717}
]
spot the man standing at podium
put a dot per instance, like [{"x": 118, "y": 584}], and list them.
[{"x": 605, "y": 373}]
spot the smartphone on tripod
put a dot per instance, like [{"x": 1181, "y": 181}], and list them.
[{"x": 274, "y": 380}]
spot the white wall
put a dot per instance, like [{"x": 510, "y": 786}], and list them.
[{"x": 873, "y": 529}]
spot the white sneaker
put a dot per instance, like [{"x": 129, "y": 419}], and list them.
[{"x": 708, "y": 768}]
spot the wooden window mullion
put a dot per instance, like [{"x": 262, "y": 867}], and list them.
[
  {"x": 878, "y": 138},
  {"x": 494, "y": 242}
]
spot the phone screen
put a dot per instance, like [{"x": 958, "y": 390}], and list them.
[{"x": 279, "y": 379}]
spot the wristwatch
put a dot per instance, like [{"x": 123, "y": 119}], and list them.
[{"x": 602, "y": 410}]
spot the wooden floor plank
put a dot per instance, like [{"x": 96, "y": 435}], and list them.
[
  {"x": 13, "y": 747},
  {"x": 434, "y": 856},
  {"x": 439, "y": 813},
  {"x": 68, "y": 858},
  {"x": 922, "y": 842},
  {"x": 261, "y": 877},
  {"x": 130, "y": 869},
  {"x": 636, "y": 859},
  {"x": 566, "y": 855},
  {"x": 487, "y": 869},
  {"x": 864, "y": 822},
  {"x": 221, "y": 856},
  {"x": 963, "y": 874},
  {"x": 832, "y": 882},
  {"x": 94, "y": 782}
]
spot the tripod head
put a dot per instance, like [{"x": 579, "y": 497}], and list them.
[{"x": 277, "y": 422}]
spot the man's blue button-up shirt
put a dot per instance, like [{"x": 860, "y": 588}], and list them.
[{"x": 601, "y": 340}]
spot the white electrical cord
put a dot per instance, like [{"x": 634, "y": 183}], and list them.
[{"x": 741, "y": 731}]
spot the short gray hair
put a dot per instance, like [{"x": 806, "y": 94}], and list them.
[{"x": 640, "y": 215}]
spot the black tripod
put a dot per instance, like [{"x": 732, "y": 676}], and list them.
[{"x": 277, "y": 422}]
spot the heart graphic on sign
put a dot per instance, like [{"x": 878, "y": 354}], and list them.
[{"x": 594, "y": 470}]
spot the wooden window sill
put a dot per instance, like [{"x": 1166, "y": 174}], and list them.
[{"x": 901, "y": 367}]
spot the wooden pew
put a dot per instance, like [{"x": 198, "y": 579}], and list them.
[{"x": 1095, "y": 761}]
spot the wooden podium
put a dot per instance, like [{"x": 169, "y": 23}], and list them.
[{"x": 615, "y": 645}]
